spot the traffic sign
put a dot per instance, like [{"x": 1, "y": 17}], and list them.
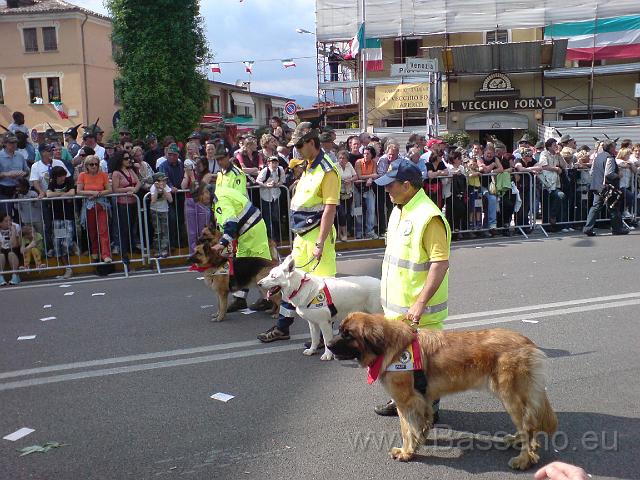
[
  {"x": 290, "y": 108},
  {"x": 415, "y": 67}
]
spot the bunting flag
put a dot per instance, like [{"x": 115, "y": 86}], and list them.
[
  {"x": 599, "y": 39},
  {"x": 60, "y": 109},
  {"x": 355, "y": 44},
  {"x": 288, "y": 63},
  {"x": 372, "y": 52},
  {"x": 248, "y": 66},
  {"x": 215, "y": 68}
]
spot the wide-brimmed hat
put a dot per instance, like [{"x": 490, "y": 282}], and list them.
[{"x": 303, "y": 132}]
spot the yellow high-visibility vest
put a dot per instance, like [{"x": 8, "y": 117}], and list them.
[
  {"x": 405, "y": 267},
  {"x": 233, "y": 178}
]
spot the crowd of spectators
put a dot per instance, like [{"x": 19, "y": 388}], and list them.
[{"x": 484, "y": 190}]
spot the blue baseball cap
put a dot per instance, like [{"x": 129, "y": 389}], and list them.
[{"x": 401, "y": 171}]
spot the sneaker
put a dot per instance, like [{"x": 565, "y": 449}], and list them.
[
  {"x": 620, "y": 232},
  {"x": 389, "y": 409},
  {"x": 320, "y": 345},
  {"x": 68, "y": 273},
  {"x": 589, "y": 233},
  {"x": 115, "y": 250},
  {"x": 261, "y": 305},
  {"x": 237, "y": 304},
  {"x": 3, "y": 282},
  {"x": 565, "y": 230},
  {"x": 371, "y": 236},
  {"x": 15, "y": 279},
  {"x": 273, "y": 334},
  {"x": 107, "y": 260}
]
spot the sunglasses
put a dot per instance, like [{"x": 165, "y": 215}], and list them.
[
  {"x": 126, "y": 158},
  {"x": 92, "y": 164}
]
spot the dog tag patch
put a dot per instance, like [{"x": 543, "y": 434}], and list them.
[
  {"x": 405, "y": 363},
  {"x": 319, "y": 301}
]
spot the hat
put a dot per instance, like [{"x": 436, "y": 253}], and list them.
[
  {"x": 525, "y": 139},
  {"x": 151, "y": 137},
  {"x": 93, "y": 127},
  {"x": 195, "y": 135},
  {"x": 295, "y": 162},
  {"x": 584, "y": 148},
  {"x": 273, "y": 158},
  {"x": 607, "y": 144},
  {"x": 88, "y": 134},
  {"x": 173, "y": 148},
  {"x": 109, "y": 144},
  {"x": 566, "y": 152},
  {"x": 10, "y": 138},
  {"x": 566, "y": 138},
  {"x": 539, "y": 144},
  {"x": 122, "y": 130},
  {"x": 44, "y": 147},
  {"x": 401, "y": 171},
  {"x": 326, "y": 137},
  {"x": 527, "y": 153},
  {"x": 434, "y": 141},
  {"x": 222, "y": 150},
  {"x": 159, "y": 176},
  {"x": 303, "y": 132},
  {"x": 73, "y": 131}
]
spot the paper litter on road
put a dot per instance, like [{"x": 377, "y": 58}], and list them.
[
  {"x": 530, "y": 321},
  {"x": 68, "y": 294},
  {"x": 46, "y": 319},
  {"x": 65, "y": 286},
  {"x": 27, "y": 337},
  {"x": 98, "y": 294},
  {"x": 206, "y": 306},
  {"x": 47, "y": 306},
  {"x": 478, "y": 247},
  {"x": 18, "y": 434},
  {"x": 223, "y": 397},
  {"x": 247, "y": 311},
  {"x": 199, "y": 278}
]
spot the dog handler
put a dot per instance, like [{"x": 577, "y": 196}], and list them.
[
  {"x": 240, "y": 220},
  {"x": 415, "y": 269},
  {"x": 230, "y": 176},
  {"x": 313, "y": 211}
]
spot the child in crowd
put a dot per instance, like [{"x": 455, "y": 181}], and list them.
[
  {"x": 31, "y": 247},
  {"x": 271, "y": 178},
  {"x": 9, "y": 248},
  {"x": 29, "y": 212},
  {"x": 475, "y": 199},
  {"x": 160, "y": 200},
  {"x": 64, "y": 245}
]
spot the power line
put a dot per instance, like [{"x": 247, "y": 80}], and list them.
[{"x": 263, "y": 60}]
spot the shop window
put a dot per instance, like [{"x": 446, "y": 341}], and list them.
[
  {"x": 49, "y": 39},
  {"x": 214, "y": 103},
  {"x": 35, "y": 90},
  {"x": 53, "y": 89},
  {"x": 403, "y": 48},
  {"x": 30, "y": 36},
  {"x": 497, "y": 36}
]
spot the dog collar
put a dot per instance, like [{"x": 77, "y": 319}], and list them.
[
  {"x": 304, "y": 280},
  {"x": 410, "y": 360},
  {"x": 196, "y": 268}
]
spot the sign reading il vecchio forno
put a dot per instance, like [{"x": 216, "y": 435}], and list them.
[
  {"x": 404, "y": 96},
  {"x": 502, "y": 103}
]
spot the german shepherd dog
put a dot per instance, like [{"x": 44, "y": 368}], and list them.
[
  {"x": 505, "y": 362},
  {"x": 246, "y": 271}
]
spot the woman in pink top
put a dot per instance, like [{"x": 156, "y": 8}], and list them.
[{"x": 125, "y": 180}]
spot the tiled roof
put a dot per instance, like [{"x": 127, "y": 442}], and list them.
[{"x": 48, "y": 6}]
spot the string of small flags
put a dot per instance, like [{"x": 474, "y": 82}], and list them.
[{"x": 248, "y": 64}]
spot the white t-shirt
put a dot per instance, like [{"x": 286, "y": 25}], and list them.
[
  {"x": 160, "y": 161},
  {"x": 100, "y": 151},
  {"x": 40, "y": 172},
  {"x": 161, "y": 204},
  {"x": 5, "y": 236}
]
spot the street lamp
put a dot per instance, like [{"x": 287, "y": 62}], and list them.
[{"x": 302, "y": 30}]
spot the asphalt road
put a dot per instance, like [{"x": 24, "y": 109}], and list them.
[{"x": 125, "y": 378}]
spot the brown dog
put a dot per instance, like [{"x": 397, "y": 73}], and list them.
[
  {"x": 247, "y": 271},
  {"x": 507, "y": 363}
]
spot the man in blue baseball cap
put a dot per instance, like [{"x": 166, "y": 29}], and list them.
[{"x": 415, "y": 269}]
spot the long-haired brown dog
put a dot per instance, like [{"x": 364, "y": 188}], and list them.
[
  {"x": 507, "y": 363},
  {"x": 246, "y": 271}
]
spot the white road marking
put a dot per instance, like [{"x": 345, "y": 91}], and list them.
[{"x": 255, "y": 351}]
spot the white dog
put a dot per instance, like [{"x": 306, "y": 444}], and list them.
[{"x": 317, "y": 299}]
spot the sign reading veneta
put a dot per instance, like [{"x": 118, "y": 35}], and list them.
[{"x": 502, "y": 103}]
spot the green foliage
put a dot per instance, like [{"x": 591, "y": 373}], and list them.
[
  {"x": 160, "y": 51},
  {"x": 457, "y": 137}
]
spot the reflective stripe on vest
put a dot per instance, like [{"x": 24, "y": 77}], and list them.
[
  {"x": 402, "y": 263},
  {"x": 404, "y": 310}
]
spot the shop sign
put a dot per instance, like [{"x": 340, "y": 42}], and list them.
[
  {"x": 401, "y": 97},
  {"x": 492, "y": 104}
]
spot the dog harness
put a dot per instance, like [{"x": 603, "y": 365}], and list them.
[
  {"x": 321, "y": 300},
  {"x": 410, "y": 360}
]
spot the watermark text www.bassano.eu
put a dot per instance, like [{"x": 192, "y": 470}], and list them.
[{"x": 444, "y": 437}]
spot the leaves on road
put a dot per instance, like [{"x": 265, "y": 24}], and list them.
[{"x": 40, "y": 448}]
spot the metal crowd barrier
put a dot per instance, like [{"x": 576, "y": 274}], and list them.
[
  {"x": 68, "y": 234},
  {"x": 173, "y": 234}
]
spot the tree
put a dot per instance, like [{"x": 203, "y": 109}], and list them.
[{"x": 160, "y": 49}]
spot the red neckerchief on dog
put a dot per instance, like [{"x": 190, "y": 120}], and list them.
[{"x": 374, "y": 369}]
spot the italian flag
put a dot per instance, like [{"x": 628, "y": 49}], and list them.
[
  {"x": 373, "y": 55},
  {"x": 355, "y": 44},
  {"x": 599, "y": 39},
  {"x": 215, "y": 68},
  {"x": 60, "y": 109},
  {"x": 288, "y": 63},
  {"x": 248, "y": 66}
]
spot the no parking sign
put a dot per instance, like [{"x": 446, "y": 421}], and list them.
[{"x": 290, "y": 108}]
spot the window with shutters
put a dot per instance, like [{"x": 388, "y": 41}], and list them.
[
  {"x": 53, "y": 89},
  {"x": 405, "y": 47},
  {"x": 35, "y": 90},
  {"x": 49, "y": 39},
  {"x": 497, "y": 36},
  {"x": 30, "y": 36}
]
